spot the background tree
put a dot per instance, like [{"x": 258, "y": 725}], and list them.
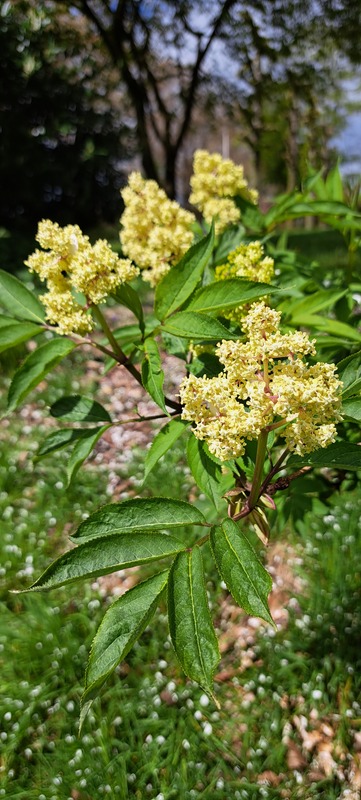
[{"x": 62, "y": 134}]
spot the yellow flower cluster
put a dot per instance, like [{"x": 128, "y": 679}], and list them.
[
  {"x": 247, "y": 261},
  {"x": 68, "y": 261},
  {"x": 155, "y": 230},
  {"x": 264, "y": 382},
  {"x": 214, "y": 182}
]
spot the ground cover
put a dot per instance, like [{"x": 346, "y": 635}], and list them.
[{"x": 289, "y": 724}]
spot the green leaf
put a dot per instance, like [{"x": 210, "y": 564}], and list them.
[
  {"x": 76, "y": 408},
  {"x": 192, "y": 325},
  {"x": 230, "y": 293},
  {"x": 17, "y": 299},
  {"x": 352, "y": 409},
  {"x": 349, "y": 371},
  {"x": 206, "y": 473},
  {"x": 82, "y": 450},
  {"x": 62, "y": 438},
  {"x": 325, "y": 298},
  {"x": 152, "y": 373},
  {"x": 139, "y": 514},
  {"x": 190, "y": 622},
  {"x": 10, "y": 335},
  {"x": 228, "y": 241},
  {"x": 334, "y": 185},
  {"x": 341, "y": 455},
  {"x": 122, "y": 625},
  {"x": 332, "y": 326},
  {"x": 162, "y": 442},
  {"x": 35, "y": 367},
  {"x": 105, "y": 555},
  {"x": 181, "y": 280},
  {"x": 240, "y": 569},
  {"x": 5, "y": 321},
  {"x": 127, "y": 296}
]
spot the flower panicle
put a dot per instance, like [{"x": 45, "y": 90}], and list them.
[
  {"x": 70, "y": 264},
  {"x": 265, "y": 381},
  {"x": 156, "y": 232}
]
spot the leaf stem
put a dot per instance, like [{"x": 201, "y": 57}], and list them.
[
  {"x": 258, "y": 469},
  {"x": 122, "y": 359}
]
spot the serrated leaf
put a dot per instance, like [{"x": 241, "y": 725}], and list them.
[
  {"x": 128, "y": 297},
  {"x": 17, "y": 299},
  {"x": 332, "y": 326},
  {"x": 349, "y": 371},
  {"x": 122, "y": 625},
  {"x": 230, "y": 293},
  {"x": 181, "y": 280},
  {"x": 190, "y": 622},
  {"x": 341, "y": 455},
  {"x": 104, "y": 555},
  {"x": 82, "y": 450},
  {"x": 152, "y": 373},
  {"x": 245, "y": 577},
  {"x": 75, "y": 408},
  {"x": 206, "y": 473},
  {"x": 352, "y": 409},
  {"x": 139, "y": 514},
  {"x": 10, "y": 335},
  {"x": 35, "y": 367},
  {"x": 162, "y": 442},
  {"x": 62, "y": 438},
  {"x": 193, "y": 325}
]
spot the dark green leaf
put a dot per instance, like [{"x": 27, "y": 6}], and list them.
[
  {"x": 341, "y": 455},
  {"x": 122, "y": 625},
  {"x": 242, "y": 572},
  {"x": 62, "y": 438},
  {"x": 104, "y": 555},
  {"x": 76, "y": 408},
  {"x": 190, "y": 622},
  {"x": 181, "y": 280},
  {"x": 162, "y": 442},
  {"x": 349, "y": 371},
  {"x": 152, "y": 373},
  {"x": 17, "y": 299},
  {"x": 35, "y": 367},
  {"x": 352, "y": 409},
  {"x": 139, "y": 514},
  {"x": 206, "y": 473},
  {"x": 82, "y": 450},
  {"x": 10, "y": 335},
  {"x": 128, "y": 297},
  {"x": 224, "y": 295},
  {"x": 192, "y": 325},
  {"x": 228, "y": 241}
]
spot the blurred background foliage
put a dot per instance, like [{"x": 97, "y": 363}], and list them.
[{"x": 92, "y": 89}]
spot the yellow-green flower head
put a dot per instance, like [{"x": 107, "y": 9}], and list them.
[
  {"x": 156, "y": 231},
  {"x": 214, "y": 182},
  {"x": 265, "y": 381},
  {"x": 247, "y": 261},
  {"x": 69, "y": 262}
]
